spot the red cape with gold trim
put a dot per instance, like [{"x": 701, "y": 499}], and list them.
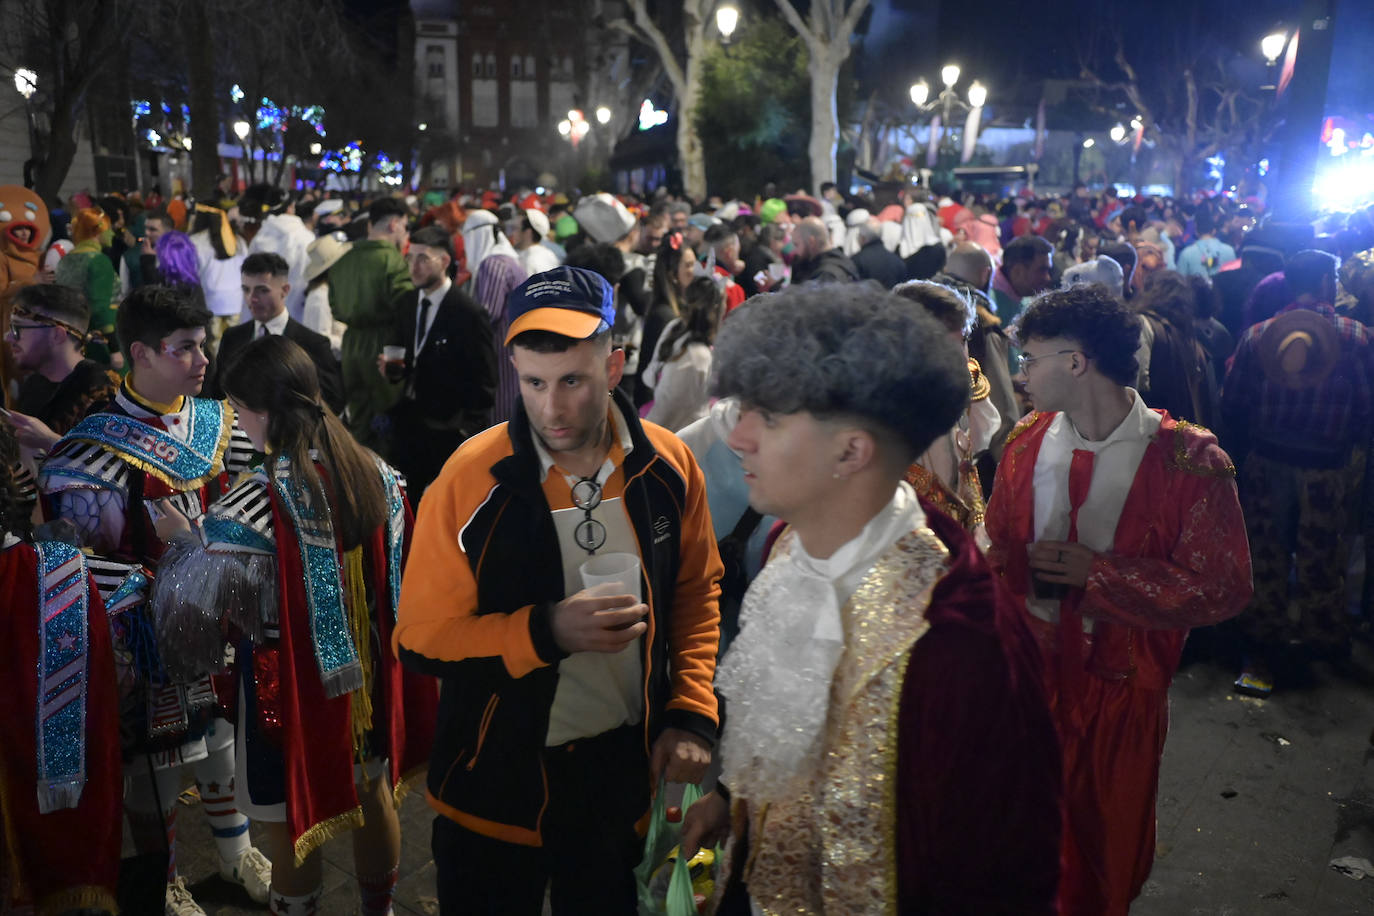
[{"x": 316, "y": 730}]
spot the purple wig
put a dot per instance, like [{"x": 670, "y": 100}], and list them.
[{"x": 176, "y": 258}]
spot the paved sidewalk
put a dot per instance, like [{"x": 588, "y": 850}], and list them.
[{"x": 1256, "y": 798}]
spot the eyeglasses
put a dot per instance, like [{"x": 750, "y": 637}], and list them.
[
  {"x": 16, "y": 328},
  {"x": 590, "y": 534},
  {"x": 1024, "y": 361}
]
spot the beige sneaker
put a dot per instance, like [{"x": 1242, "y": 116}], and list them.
[
  {"x": 179, "y": 900},
  {"x": 252, "y": 871}
]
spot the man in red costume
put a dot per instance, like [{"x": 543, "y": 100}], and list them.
[{"x": 1120, "y": 529}]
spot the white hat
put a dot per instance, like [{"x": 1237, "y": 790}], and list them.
[
  {"x": 603, "y": 218},
  {"x": 323, "y": 252},
  {"x": 1103, "y": 270},
  {"x": 326, "y": 207},
  {"x": 539, "y": 221}
]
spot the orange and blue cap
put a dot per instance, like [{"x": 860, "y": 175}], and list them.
[{"x": 570, "y": 301}]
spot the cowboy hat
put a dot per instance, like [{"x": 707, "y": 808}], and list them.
[{"x": 1299, "y": 349}]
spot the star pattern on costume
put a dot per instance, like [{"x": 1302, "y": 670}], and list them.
[
  {"x": 66, "y": 642},
  {"x": 280, "y": 905}
]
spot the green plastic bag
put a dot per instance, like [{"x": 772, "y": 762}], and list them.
[
  {"x": 660, "y": 840},
  {"x": 681, "y": 901}
]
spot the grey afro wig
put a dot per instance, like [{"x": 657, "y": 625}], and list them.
[{"x": 845, "y": 350}]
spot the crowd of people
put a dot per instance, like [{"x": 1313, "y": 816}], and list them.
[{"x": 512, "y": 494}]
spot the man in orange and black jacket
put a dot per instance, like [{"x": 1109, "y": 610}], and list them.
[{"x": 560, "y": 708}]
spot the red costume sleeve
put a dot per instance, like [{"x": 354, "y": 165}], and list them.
[
  {"x": 1205, "y": 578},
  {"x": 67, "y": 859},
  {"x": 978, "y": 810}
]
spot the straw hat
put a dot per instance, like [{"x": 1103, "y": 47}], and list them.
[{"x": 323, "y": 252}]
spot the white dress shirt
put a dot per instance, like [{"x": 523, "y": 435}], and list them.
[
  {"x": 434, "y": 298},
  {"x": 275, "y": 325},
  {"x": 1117, "y": 458}
]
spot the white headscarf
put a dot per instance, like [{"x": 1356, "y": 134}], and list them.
[
  {"x": 481, "y": 242},
  {"x": 920, "y": 227},
  {"x": 854, "y": 222}
]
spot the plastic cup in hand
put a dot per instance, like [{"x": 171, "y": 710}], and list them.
[
  {"x": 619, "y": 569},
  {"x": 395, "y": 360}
]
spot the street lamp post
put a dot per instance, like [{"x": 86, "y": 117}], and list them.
[
  {"x": 241, "y": 129},
  {"x": 26, "y": 84}
]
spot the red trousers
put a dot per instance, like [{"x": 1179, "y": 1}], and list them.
[{"x": 1112, "y": 744}]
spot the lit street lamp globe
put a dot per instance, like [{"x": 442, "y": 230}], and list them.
[
  {"x": 25, "y": 82},
  {"x": 950, "y": 75},
  {"x": 1270, "y": 45},
  {"x": 241, "y": 129},
  {"x": 603, "y": 115},
  {"x": 727, "y": 17},
  {"x": 977, "y": 94},
  {"x": 920, "y": 92}
]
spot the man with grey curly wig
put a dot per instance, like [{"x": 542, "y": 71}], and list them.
[{"x": 880, "y": 669}]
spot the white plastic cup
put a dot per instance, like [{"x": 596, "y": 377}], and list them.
[
  {"x": 776, "y": 270},
  {"x": 619, "y": 569}
]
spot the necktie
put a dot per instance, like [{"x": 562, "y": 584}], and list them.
[
  {"x": 1070, "y": 620},
  {"x": 262, "y": 329},
  {"x": 421, "y": 331}
]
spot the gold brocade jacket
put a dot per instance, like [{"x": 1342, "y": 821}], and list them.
[{"x": 831, "y": 848}]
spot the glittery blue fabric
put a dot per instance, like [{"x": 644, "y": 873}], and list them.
[
  {"x": 133, "y": 590},
  {"x": 217, "y": 530},
  {"x": 175, "y": 459},
  {"x": 395, "y": 533},
  {"x": 340, "y": 670},
  {"x": 61, "y": 714}
]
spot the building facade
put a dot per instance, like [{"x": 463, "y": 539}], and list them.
[{"x": 497, "y": 77}]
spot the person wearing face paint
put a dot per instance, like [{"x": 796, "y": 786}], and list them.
[
  {"x": 301, "y": 562},
  {"x": 887, "y": 745},
  {"x": 1118, "y": 529},
  {"x": 561, "y": 707},
  {"x": 158, "y": 448}
]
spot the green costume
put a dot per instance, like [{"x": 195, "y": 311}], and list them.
[
  {"x": 87, "y": 270},
  {"x": 368, "y": 287}
]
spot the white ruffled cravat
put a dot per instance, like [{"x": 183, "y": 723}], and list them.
[{"x": 777, "y": 674}]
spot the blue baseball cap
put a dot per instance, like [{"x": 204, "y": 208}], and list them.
[{"x": 571, "y": 301}]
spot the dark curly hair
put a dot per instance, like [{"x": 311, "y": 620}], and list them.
[
  {"x": 845, "y": 350},
  {"x": 1105, "y": 327}
]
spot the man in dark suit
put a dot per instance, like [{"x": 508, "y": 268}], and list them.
[
  {"x": 450, "y": 365},
  {"x": 264, "y": 293}
]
